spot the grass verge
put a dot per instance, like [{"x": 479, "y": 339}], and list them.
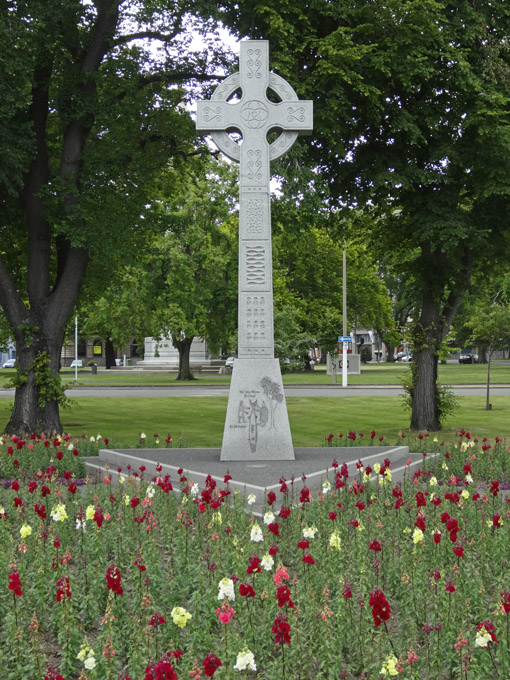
[{"x": 200, "y": 420}]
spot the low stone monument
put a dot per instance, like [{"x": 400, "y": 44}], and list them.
[{"x": 257, "y": 424}]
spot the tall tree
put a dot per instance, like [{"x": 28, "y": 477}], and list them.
[
  {"x": 411, "y": 116},
  {"x": 92, "y": 107}
]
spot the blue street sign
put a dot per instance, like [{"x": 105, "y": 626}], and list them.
[{"x": 344, "y": 338}]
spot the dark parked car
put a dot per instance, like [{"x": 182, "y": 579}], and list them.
[{"x": 468, "y": 357}]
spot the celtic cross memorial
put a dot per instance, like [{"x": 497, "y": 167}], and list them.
[{"x": 257, "y": 424}]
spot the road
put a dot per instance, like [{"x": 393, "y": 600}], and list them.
[{"x": 290, "y": 391}]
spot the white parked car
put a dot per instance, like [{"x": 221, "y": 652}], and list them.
[
  {"x": 76, "y": 363},
  {"x": 229, "y": 363},
  {"x": 10, "y": 363}
]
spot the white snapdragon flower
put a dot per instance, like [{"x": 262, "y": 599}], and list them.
[
  {"x": 251, "y": 499},
  {"x": 256, "y": 533},
  {"x": 226, "y": 589},
  {"x": 309, "y": 532},
  {"x": 267, "y": 562},
  {"x": 245, "y": 660},
  {"x": 269, "y": 517}
]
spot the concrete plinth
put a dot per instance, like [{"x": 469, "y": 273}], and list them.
[{"x": 257, "y": 424}]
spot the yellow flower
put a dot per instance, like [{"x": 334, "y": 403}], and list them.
[
  {"x": 390, "y": 666},
  {"x": 433, "y": 481},
  {"x": 377, "y": 468},
  {"x": 417, "y": 535},
  {"x": 334, "y": 541},
  {"x": 25, "y": 530},
  {"x": 465, "y": 494},
  {"x": 59, "y": 514},
  {"x": 89, "y": 512},
  {"x": 126, "y": 500},
  {"x": 180, "y": 616}
]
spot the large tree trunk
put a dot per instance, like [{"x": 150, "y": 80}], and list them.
[
  {"x": 36, "y": 401},
  {"x": 109, "y": 353},
  {"x": 184, "y": 347},
  {"x": 428, "y": 336}
]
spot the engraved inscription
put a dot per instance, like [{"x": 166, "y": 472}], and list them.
[
  {"x": 254, "y": 215},
  {"x": 255, "y": 265}
]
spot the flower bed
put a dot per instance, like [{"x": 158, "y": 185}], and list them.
[{"x": 367, "y": 579}]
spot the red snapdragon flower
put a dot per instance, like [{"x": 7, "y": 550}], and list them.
[
  {"x": 307, "y": 558},
  {"x": 113, "y": 579},
  {"x": 157, "y": 620},
  {"x": 494, "y": 488},
  {"x": 489, "y": 627},
  {"x": 281, "y": 630},
  {"x": 505, "y": 600},
  {"x": 375, "y": 546},
  {"x": 211, "y": 664},
  {"x": 274, "y": 528},
  {"x": 63, "y": 590},
  {"x": 305, "y": 495},
  {"x": 162, "y": 670},
  {"x": 381, "y": 610},
  {"x": 15, "y": 583},
  {"x": 254, "y": 567},
  {"x": 283, "y": 596},
  {"x": 246, "y": 590},
  {"x": 284, "y": 512}
]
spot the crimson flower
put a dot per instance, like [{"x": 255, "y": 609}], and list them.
[
  {"x": 157, "y": 620},
  {"x": 273, "y": 550},
  {"x": 40, "y": 509},
  {"x": 246, "y": 590},
  {"x": 113, "y": 579},
  {"x": 489, "y": 627},
  {"x": 281, "y": 630},
  {"x": 494, "y": 488},
  {"x": 162, "y": 670},
  {"x": 449, "y": 587},
  {"x": 347, "y": 590},
  {"x": 303, "y": 544},
  {"x": 333, "y": 515},
  {"x": 254, "y": 567},
  {"x": 381, "y": 610},
  {"x": 375, "y": 546},
  {"x": 497, "y": 521},
  {"x": 284, "y": 512},
  {"x": 305, "y": 495},
  {"x": 274, "y": 528},
  {"x": 15, "y": 583},
  {"x": 307, "y": 558},
  {"x": 437, "y": 537},
  {"x": 271, "y": 497},
  {"x": 63, "y": 590},
  {"x": 458, "y": 550},
  {"x": 283, "y": 596},
  {"x": 505, "y": 600},
  {"x": 211, "y": 664},
  {"x": 98, "y": 516}
]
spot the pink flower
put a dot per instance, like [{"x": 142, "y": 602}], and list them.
[
  {"x": 280, "y": 575},
  {"x": 225, "y": 613}
]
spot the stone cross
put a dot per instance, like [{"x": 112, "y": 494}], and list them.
[{"x": 256, "y": 402}]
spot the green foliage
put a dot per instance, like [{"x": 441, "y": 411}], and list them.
[
  {"x": 491, "y": 327},
  {"x": 365, "y": 354},
  {"x": 48, "y": 384}
]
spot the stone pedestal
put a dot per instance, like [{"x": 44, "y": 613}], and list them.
[{"x": 257, "y": 424}]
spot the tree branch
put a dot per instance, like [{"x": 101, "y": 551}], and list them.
[{"x": 154, "y": 35}]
